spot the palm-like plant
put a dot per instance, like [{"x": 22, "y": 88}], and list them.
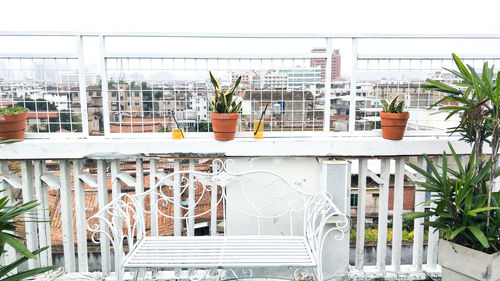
[
  {"x": 225, "y": 102},
  {"x": 461, "y": 203},
  {"x": 479, "y": 106},
  {"x": 10, "y": 220}
]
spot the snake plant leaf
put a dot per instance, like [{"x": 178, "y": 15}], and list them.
[
  {"x": 399, "y": 108},
  {"x": 216, "y": 84},
  {"x": 385, "y": 105}
]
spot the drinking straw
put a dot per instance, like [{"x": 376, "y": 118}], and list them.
[
  {"x": 260, "y": 121},
  {"x": 177, "y": 124}
]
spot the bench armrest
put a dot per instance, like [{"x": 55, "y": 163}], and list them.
[
  {"x": 120, "y": 221},
  {"x": 319, "y": 212}
]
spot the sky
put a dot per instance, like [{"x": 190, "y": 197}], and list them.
[
  {"x": 312, "y": 16},
  {"x": 256, "y": 16}
]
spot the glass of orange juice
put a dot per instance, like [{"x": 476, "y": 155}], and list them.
[
  {"x": 177, "y": 134},
  {"x": 258, "y": 130}
]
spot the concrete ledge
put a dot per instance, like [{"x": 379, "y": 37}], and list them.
[{"x": 342, "y": 146}]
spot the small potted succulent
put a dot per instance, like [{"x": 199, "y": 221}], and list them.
[
  {"x": 12, "y": 123},
  {"x": 224, "y": 108},
  {"x": 393, "y": 120}
]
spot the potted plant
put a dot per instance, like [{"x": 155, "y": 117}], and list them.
[
  {"x": 12, "y": 123},
  {"x": 224, "y": 108},
  {"x": 393, "y": 120},
  {"x": 466, "y": 209}
]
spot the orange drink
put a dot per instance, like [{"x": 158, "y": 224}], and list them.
[
  {"x": 259, "y": 129},
  {"x": 177, "y": 134}
]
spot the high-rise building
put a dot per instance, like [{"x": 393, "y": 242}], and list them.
[{"x": 321, "y": 62}]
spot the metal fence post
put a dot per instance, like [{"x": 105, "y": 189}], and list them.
[
  {"x": 104, "y": 86},
  {"x": 328, "y": 88},
  {"x": 352, "y": 94},
  {"x": 83, "y": 87}
]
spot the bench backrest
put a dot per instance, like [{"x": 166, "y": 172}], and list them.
[{"x": 256, "y": 202}]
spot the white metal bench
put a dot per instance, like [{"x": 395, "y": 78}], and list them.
[{"x": 261, "y": 201}]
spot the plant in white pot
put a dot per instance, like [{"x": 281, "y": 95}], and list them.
[{"x": 467, "y": 210}]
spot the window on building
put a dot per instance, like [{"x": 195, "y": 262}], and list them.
[
  {"x": 113, "y": 94},
  {"x": 128, "y": 94},
  {"x": 354, "y": 200},
  {"x": 136, "y": 94},
  {"x": 98, "y": 94}
]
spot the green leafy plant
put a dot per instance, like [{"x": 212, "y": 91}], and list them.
[
  {"x": 10, "y": 220},
  {"x": 393, "y": 106},
  {"x": 478, "y": 98},
  {"x": 12, "y": 110},
  {"x": 460, "y": 202},
  {"x": 225, "y": 102}
]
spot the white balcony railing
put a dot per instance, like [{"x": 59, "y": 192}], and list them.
[{"x": 150, "y": 75}]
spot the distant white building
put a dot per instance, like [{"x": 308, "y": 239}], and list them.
[
  {"x": 199, "y": 104},
  {"x": 72, "y": 78},
  {"x": 298, "y": 78}
]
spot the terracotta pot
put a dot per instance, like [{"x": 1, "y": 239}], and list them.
[
  {"x": 224, "y": 125},
  {"x": 393, "y": 125},
  {"x": 12, "y": 126}
]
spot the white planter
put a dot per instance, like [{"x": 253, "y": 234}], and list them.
[{"x": 461, "y": 263}]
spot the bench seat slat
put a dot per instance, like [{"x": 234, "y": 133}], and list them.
[{"x": 221, "y": 251}]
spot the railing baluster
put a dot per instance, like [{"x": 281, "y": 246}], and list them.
[
  {"x": 191, "y": 200},
  {"x": 44, "y": 225},
  {"x": 6, "y": 190},
  {"x": 102, "y": 194},
  {"x": 67, "y": 217},
  {"x": 139, "y": 176},
  {"x": 418, "y": 233},
  {"x": 177, "y": 199},
  {"x": 153, "y": 198},
  {"x": 385, "y": 174},
  {"x": 29, "y": 195},
  {"x": 360, "y": 226},
  {"x": 432, "y": 250},
  {"x": 80, "y": 216},
  {"x": 115, "y": 192},
  {"x": 213, "y": 206},
  {"x": 397, "y": 219}
]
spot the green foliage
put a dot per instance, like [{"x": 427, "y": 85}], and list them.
[
  {"x": 225, "y": 102},
  {"x": 10, "y": 218},
  {"x": 205, "y": 126},
  {"x": 478, "y": 105},
  {"x": 460, "y": 202},
  {"x": 393, "y": 106},
  {"x": 12, "y": 110},
  {"x": 478, "y": 98},
  {"x": 37, "y": 105}
]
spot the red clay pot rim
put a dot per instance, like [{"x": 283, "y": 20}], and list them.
[{"x": 387, "y": 115}]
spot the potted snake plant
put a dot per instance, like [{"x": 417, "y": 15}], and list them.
[
  {"x": 12, "y": 123},
  {"x": 393, "y": 119},
  {"x": 225, "y": 107},
  {"x": 465, "y": 204}
]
